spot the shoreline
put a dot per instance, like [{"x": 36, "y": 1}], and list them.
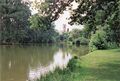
[{"x": 100, "y": 65}]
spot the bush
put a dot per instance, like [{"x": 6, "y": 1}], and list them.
[
  {"x": 73, "y": 63},
  {"x": 112, "y": 45},
  {"x": 98, "y": 41},
  {"x": 81, "y": 41},
  {"x": 84, "y": 41}
]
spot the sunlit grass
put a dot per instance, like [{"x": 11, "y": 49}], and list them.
[{"x": 102, "y": 65}]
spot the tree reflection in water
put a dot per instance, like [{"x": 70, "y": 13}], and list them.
[{"x": 60, "y": 59}]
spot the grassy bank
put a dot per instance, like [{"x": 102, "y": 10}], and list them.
[{"x": 102, "y": 65}]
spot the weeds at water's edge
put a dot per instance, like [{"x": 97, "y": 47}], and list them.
[
  {"x": 62, "y": 74},
  {"x": 101, "y": 65}
]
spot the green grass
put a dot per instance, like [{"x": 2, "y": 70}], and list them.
[{"x": 102, "y": 65}]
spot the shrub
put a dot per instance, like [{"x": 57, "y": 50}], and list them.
[
  {"x": 112, "y": 45},
  {"x": 81, "y": 41},
  {"x": 98, "y": 41},
  {"x": 84, "y": 41},
  {"x": 73, "y": 63}
]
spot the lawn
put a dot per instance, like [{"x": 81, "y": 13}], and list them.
[{"x": 101, "y": 65}]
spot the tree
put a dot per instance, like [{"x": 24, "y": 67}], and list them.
[
  {"x": 99, "y": 15},
  {"x": 77, "y": 36},
  {"x": 14, "y": 16},
  {"x": 76, "y": 33},
  {"x": 51, "y": 8},
  {"x": 43, "y": 29},
  {"x": 98, "y": 41}
]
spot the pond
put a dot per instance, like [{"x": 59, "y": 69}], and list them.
[{"x": 29, "y": 62}]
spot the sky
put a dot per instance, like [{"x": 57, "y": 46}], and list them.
[{"x": 63, "y": 19}]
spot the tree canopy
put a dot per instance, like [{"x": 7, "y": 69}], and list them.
[
  {"x": 14, "y": 16},
  {"x": 18, "y": 25},
  {"x": 52, "y": 8},
  {"x": 99, "y": 15}
]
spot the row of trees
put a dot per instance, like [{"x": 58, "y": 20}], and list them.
[
  {"x": 18, "y": 26},
  {"x": 74, "y": 37},
  {"x": 101, "y": 19},
  {"x": 102, "y": 22}
]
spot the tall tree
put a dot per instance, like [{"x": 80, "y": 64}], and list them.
[
  {"x": 42, "y": 29},
  {"x": 14, "y": 16},
  {"x": 99, "y": 14},
  {"x": 52, "y": 8}
]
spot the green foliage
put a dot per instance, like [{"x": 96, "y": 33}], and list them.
[
  {"x": 40, "y": 22},
  {"x": 76, "y": 33},
  {"x": 52, "y": 8},
  {"x": 112, "y": 45},
  {"x": 73, "y": 63},
  {"x": 14, "y": 16},
  {"x": 99, "y": 16},
  {"x": 95, "y": 66},
  {"x": 98, "y": 41},
  {"x": 16, "y": 28},
  {"x": 42, "y": 30},
  {"x": 66, "y": 74},
  {"x": 76, "y": 36},
  {"x": 64, "y": 37},
  {"x": 81, "y": 41},
  {"x": 84, "y": 41}
]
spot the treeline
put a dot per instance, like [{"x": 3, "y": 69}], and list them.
[
  {"x": 17, "y": 25},
  {"x": 74, "y": 37},
  {"x": 101, "y": 19}
]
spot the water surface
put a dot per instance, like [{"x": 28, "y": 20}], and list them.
[{"x": 23, "y": 63}]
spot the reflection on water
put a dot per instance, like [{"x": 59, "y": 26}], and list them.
[
  {"x": 22, "y": 63},
  {"x": 60, "y": 59}
]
